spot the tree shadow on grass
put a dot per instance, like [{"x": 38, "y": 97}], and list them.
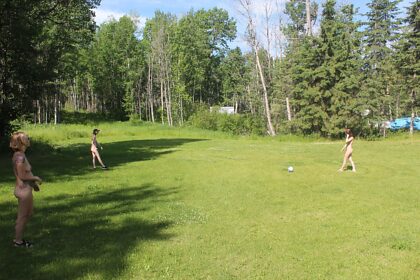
[
  {"x": 85, "y": 235},
  {"x": 56, "y": 164}
]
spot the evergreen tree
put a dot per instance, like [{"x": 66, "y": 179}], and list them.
[
  {"x": 381, "y": 32},
  {"x": 346, "y": 108},
  {"x": 283, "y": 85},
  {"x": 326, "y": 76},
  {"x": 408, "y": 60}
]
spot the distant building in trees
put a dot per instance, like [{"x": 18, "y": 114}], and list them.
[{"x": 224, "y": 110}]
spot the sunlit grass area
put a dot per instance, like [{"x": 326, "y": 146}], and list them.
[{"x": 190, "y": 204}]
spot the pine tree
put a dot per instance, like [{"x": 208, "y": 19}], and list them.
[
  {"x": 408, "y": 59},
  {"x": 382, "y": 28},
  {"x": 283, "y": 85},
  {"x": 326, "y": 76}
]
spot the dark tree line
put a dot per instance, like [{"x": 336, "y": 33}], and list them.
[{"x": 38, "y": 40}]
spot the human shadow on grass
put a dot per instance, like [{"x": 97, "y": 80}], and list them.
[
  {"x": 86, "y": 235},
  {"x": 55, "y": 164}
]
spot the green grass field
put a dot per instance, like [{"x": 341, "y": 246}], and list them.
[{"x": 190, "y": 204}]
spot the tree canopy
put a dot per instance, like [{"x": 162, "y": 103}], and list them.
[{"x": 346, "y": 73}]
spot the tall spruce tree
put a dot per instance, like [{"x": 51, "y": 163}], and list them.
[
  {"x": 326, "y": 76},
  {"x": 408, "y": 60},
  {"x": 346, "y": 109},
  {"x": 283, "y": 85},
  {"x": 382, "y": 28}
]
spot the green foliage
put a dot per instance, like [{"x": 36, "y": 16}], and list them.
[
  {"x": 52, "y": 59},
  {"x": 296, "y": 12},
  {"x": 236, "y": 124},
  {"x": 381, "y": 31},
  {"x": 235, "y": 73},
  {"x": 80, "y": 117},
  {"x": 407, "y": 60},
  {"x": 36, "y": 39},
  {"x": 115, "y": 65},
  {"x": 199, "y": 43},
  {"x": 326, "y": 76}
]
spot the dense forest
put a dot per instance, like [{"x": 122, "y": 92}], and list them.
[{"x": 311, "y": 68}]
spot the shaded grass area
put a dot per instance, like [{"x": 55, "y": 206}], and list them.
[
  {"x": 76, "y": 159},
  {"x": 80, "y": 235},
  {"x": 86, "y": 221}
]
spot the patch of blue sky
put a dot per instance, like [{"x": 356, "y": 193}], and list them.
[{"x": 145, "y": 9}]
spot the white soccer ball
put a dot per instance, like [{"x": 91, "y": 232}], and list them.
[{"x": 290, "y": 169}]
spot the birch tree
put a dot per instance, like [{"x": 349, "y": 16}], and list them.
[
  {"x": 246, "y": 6},
  {"x": 308, "y": 18}
]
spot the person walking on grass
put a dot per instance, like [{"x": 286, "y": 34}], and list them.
[
  {"x": 348, "y": 148},
  {"x": 94, "y": 149},
  {"x": 25, "y": 182}
]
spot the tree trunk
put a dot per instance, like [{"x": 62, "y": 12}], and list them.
[
  {"x": 161, "y": 100},
  {"x": 168, "y": 102},
  {"x": 35, "y": 111},
  {"x": 266, "y": 104},
  {"x": 138, "y": 101},
  {"x": 308, "y": 18},
  {"x": 181, "y": 109},
  {"x": 38, "y": 111},
  {"x": 267, "y": 34},
  {"x": 168, "y": 91},
  {"x": 251, "y": 107},
  {"x": 55, "y": 108},
  {"x": 252, "y": 39},
  {"x": 289, "y": 112},
  {"x": 412, "y": 121},
  {"x": 46, "y": 111},
  {"x": 149, "y": 91},
  {"x": 413, "y": 100},
  {"x": 397, "y": 105}
]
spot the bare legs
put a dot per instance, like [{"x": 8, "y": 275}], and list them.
[
  {"x": 353, "y": 167},
  {"x": 348, "y": 157},
  {"x": 95, "y": 155},
  {"x": 25, "y": 210}
]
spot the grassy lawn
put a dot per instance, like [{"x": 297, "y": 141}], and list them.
[{"x": 188, "y": 204}]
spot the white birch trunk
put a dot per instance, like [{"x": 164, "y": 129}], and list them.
[
  {"x": 308, "y": 18},
  {"x": 266, "y": 104},
  {"x": 161, "y": 100},
  {"x": 289, "y": 112},
  {"x": 55, "y": 109},
  {"x": 38, "y": 106},
  {"x": 246, "y": 4}
]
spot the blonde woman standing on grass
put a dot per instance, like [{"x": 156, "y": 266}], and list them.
[
  {"x": 348, "y": 148},
  {"x": 25, "y": 182}
]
